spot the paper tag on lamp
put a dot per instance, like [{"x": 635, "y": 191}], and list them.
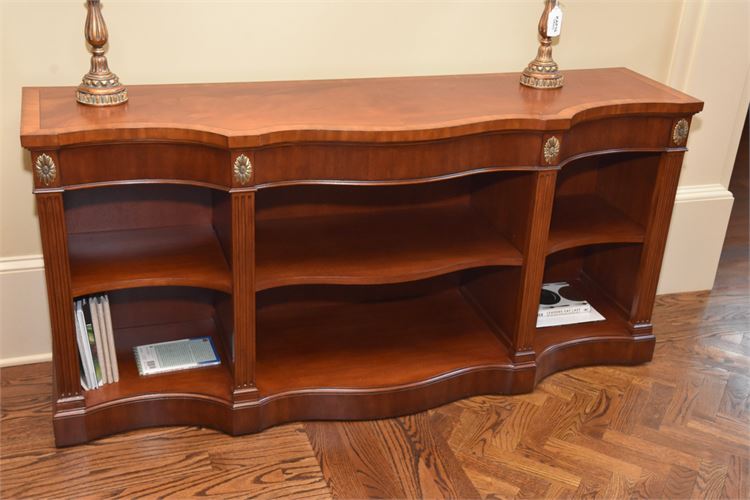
[{"x": 554, "y": 22}]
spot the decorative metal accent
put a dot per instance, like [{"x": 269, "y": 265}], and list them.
[
  {"x": 100, "y": 87},
  {"x": 551, "y": 149},
  {"x": 243, "y": 169},
  {"x": 45, "y": 169},
  {"x": 542, "y": 72},
  {"x": 680, "y": 132}
]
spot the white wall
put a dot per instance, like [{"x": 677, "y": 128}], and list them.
[
  {"x": 712, "y": 61},
  {"x": 167, "y": 41}
]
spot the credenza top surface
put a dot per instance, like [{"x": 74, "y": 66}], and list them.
[{"x": 236, "y": 115}]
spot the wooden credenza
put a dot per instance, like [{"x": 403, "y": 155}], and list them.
[{"x": 356, "y": 248}]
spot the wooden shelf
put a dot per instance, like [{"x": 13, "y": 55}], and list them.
[
  {"x": 614, "y": 325},
  {"x": 178, "y": 256},
  {"x": 213, "y": 382},
  {"x": 610, "y": 341},
  {"x": 588, "y": 219},
  {"x": 378, "y": 247},
  {"x": 371, "y": 344}
]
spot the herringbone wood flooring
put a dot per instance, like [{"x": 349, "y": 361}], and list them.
[{"x": 674, "y": 428}]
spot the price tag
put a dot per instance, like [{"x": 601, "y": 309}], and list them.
[{"x": 554, "y": 22}]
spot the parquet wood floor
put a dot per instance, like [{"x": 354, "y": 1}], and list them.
[{"x": 675, "y": 428}]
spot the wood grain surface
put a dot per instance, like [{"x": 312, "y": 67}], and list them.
[
  {"x": 370, "y": 109},
  {"x": 399, "y": 245},
  {"x": 674, "y": 428},
  {"x": 147, "y": 257}
]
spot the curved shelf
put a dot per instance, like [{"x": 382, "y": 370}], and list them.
[
  {"x": 376, "y": 248},
  {"x": 579, "y": 220},
  {"x": 164, "y": 256},
  {"x": 361, "y": 346},
  {"x": 398, "y": 182}
]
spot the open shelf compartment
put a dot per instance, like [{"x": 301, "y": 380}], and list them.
[
  {"x": 369, "y": 337},
  {"x": 149, "y": 315},
  {"x": 363, "y": 235},
  {"x": 135, "y": 236},
  {"x": 603, "y": 199},
  {"x": 605, "y": 276}
]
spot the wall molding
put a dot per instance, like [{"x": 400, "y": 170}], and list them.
[
  {"x": 696, "y": 238},
  {"x": 22, "y": 263},
  {"x": 692, "y": 18},
  {"x": 26, "y": 360},
  {"x": 703, "y": 192},
  {"x": 24, "y": 321},
  {"x": 736, "y": 133}
]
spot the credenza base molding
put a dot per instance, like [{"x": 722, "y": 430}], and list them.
[{"x": 81, "y": 426}]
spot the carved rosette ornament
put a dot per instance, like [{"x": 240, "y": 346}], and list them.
[
  {"x": 45, "y": 169},
  {"x": 680, "y": 132},
  {"x": 243, "y": 170},
  {"x": 100, "y": 87},
  {"x": 551, "y": 150}
]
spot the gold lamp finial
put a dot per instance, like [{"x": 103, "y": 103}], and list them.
[
  {"x": 100, "y": 87},
  {"x": 542, "y": 72}
]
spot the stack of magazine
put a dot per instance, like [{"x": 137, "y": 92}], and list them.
[
  {"x": 96, "y": 343},
  {"x": 561, "y": 305}
]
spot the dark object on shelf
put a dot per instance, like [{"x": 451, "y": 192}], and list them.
[
  {"x": 100, "y": 87},
  {"x": 350, "y": 257},
  {"x": 560, "y": 295},
  {"x": 549, "y": 298}
]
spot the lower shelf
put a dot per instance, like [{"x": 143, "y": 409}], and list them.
[
  {"x": 389, "y": 344},
  {"x": 599, "y": 342},
  {"x": 345, "y": 358},
  {"x": 213, "y": 382}
]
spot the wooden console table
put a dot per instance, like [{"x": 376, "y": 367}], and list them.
[{"x": 356, "y": 248}]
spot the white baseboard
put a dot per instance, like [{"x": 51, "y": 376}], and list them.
[
  {"x": 26, "y": 360},
  {"x": 696, "y": 236},
  {"x": 24, "y": 317},
  {"x": 21, "y": 264},
  {"x": 703, "y": 192}
]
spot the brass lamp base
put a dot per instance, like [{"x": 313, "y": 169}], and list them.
[
  {"x": 542, "y": 72},
  {"x": 100, "y": 87},
  {"x": 542, "y": 75},
  {"x": 101, "y": 92}
]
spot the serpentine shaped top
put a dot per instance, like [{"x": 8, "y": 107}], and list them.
[{"x": 244, "y": 115}]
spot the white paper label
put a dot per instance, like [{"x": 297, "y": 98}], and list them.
[{"x": 554, "y": 22}]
